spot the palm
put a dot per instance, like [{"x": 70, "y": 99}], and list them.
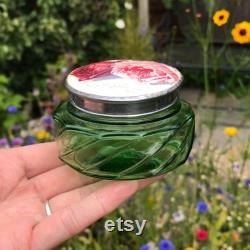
[{"x": 31, "y": 175}]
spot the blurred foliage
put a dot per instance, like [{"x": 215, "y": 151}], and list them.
[
  {"x": 130, "y": 42},
  {"x": 35, "y": 33},
  {"x": 9, "y": 119},
  {"x": 169, "y": 4}
]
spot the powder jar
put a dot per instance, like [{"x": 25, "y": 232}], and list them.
[{"x": 124, "y": 120}]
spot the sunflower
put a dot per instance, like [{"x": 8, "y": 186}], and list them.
[
  {"x": 221, "y": 17},
  {"x": 241, "y": 32}
]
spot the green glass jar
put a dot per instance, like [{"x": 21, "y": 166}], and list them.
[{"x": 112, "y": 130}]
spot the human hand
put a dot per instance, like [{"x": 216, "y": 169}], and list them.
[{"x": 32, "y": 175}]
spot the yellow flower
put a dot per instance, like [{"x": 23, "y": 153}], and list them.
[
  {"x": 189, "y": 248},
  {"x": 230, "y": 131},
  {"x": 241, "y": 32},
  {"x": 42, "y": 135},
  {"x": 221, "y": 17}
]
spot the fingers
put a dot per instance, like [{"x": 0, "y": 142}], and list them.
[
  {"x": 38, "y": 158},
  {"x": 71, "y": 220},
  {"x": 65, "y": 199},
  {"x": 74, "y": 211},
  {"x": 76, "y": 195},
  {"x": 59, "y": 180}
]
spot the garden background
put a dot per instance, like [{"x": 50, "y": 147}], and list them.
[{"x": 204, "y": 204}]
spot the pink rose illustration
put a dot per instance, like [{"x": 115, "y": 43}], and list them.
[
  {"x": 93, "y": 70},
  {"x": 145, "y": 71}
]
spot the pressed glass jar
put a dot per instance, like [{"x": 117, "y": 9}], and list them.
[{"x": 107, "y": 130}]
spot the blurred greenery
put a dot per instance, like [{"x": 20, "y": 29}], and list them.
[
  {"x": 131, "y": 42},
  {"x": 35, "y": 33},
  {"x": 9, "y": 119}
]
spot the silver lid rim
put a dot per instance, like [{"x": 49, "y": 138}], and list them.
[
  {"x": 124, "y": 115},
  {"x": 125, "y": 108},
  {"x": 175, "y": 86}
]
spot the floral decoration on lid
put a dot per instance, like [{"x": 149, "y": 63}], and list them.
[{"x": 124, "y": 79}]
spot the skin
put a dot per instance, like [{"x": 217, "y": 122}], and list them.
[{"x": 31, "y": 175}]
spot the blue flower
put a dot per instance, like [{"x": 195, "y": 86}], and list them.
[
  {"x": 144, "y": 247},
  {"x": 12, "y": 109},
  {"x": 247, "y": 182},
  {"x": 31, "y": 140},
  {"x": 166, "y": 245},
  {"x": 168, "y": 188},
  {"x": 202, "y": 207}
]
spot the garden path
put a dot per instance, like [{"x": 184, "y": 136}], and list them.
[{"x": 218, "y": 113}]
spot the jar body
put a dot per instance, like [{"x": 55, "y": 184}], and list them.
[{"x": 124, "y": 148}]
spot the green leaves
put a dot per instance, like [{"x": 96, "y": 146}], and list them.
[
  {"x": 9, "y": 119},
  {"x": 36, "y": 33}
]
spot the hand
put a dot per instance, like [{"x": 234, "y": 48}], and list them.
[{"x": 31, "y": 175}]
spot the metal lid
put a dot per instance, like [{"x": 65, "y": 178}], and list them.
[{"x": 124, "y": 87}]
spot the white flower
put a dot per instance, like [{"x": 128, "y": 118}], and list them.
[
  {"x": 36, "y": 92},
  {"x": 236, "y": 166},
  {"x": 172, "y": 199},
  {"x": 120, "y": 24},
  {"x": 179, "y": 216},
  {"x": 128, "y": 5},
  {"x": 152, "y": 246},
  {"x": 203, "y": 177},
  {"x": 23, "y": 133}
]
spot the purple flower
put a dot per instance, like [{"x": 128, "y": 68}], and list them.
[
  {"x": 168, "y": 188},
  {"x": 3, "y": 142},
  {"x": 219, "y": 190},
  {"x": 31, "y": 140},
  {"x": 247, "y": 182},
  {"x": 144, "y": 247},
  {"x": 227, "y": 195},
  {"x": 47, "y": 120},
  {"x": 17, "y": 141},
  {"x": 12, "y": 109},
  {"x": 16, "y": 128},
  {"x": 202, "y": 207},
  {"x": 166, "y": 245},
  {"x": 190, "y": 158}
]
